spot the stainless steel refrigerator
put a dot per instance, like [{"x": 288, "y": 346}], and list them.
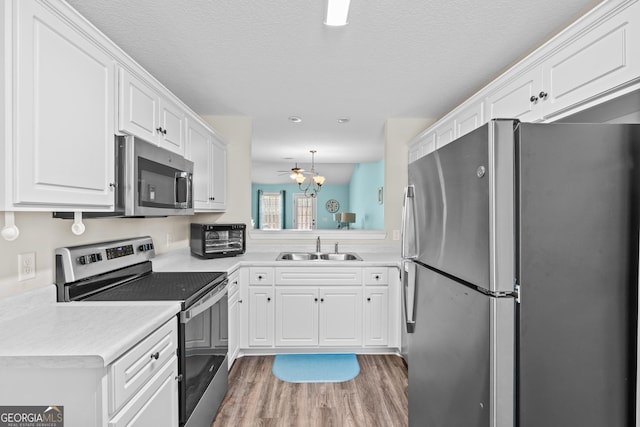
[{"x": 520, "y": 244}]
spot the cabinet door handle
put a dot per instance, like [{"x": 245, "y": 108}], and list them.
[
  {"x": 543, "y": 95},
  {"x": 240, "y": 301},
  {"x": 533, "y": 99},
  {"x": 321, "y": 299},
  {"x": 369, "y": 299},
  {"x": 159, "y": 130},
  {"x": 155, "y": 355},
  {"x": 268, "y": 299},
  {"x": 377, "y": 277},
  {"x": 259, "y": 277},
  {"x": 315, "y": 299}
]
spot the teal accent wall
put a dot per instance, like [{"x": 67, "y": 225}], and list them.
[
  {"x": 363, "y": 196},
  {"x": 324, "y": 219}
]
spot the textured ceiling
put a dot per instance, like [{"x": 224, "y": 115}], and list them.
[{"x": 273, "y": 59}]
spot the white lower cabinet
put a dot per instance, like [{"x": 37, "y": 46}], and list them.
[
  {"x": 376, "y": 316},
  {"x": 155, "y": 404},
  {"x": 318, "y": 307},
  {"x": 139, "y": 388},
  {"x": 261, "y": 310},
  {"x": 297, "y": 316},
  {"x": 310, "y": 316},
  {"x": 340, "y": 316}
]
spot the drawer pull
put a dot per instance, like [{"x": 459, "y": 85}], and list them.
[{"x": 155, "y": 355}]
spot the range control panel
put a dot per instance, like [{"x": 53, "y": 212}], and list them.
[{"x": 80, "y": 262}]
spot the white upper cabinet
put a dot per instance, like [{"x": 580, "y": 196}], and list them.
[
  {"x": 145, "y": 113},
  {"x": 65, "y": 91},
  {"x": 63, "y": 106},
  {"x": 518, "y": 98},
  {"x": 597, "y": 62},
  {"x": 590, "y": 62},
  {"x": 209, "y": 157}
]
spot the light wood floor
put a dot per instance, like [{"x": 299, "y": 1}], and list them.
[{"x": 376, "y": 397}]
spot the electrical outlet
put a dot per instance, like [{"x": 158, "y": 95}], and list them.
[
  {"x": 26, "y": 266},
  {"x": 396, "y": 234}
]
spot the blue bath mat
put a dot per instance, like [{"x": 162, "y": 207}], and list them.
[{"x": 315, "y": 368}]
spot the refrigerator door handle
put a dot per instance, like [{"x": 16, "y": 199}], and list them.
[
  {"x": 408, "y": 294},
  {"x": 408, "y": 241}
]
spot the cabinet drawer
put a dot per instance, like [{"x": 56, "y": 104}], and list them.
[
  {"x": 376, "y": 276},
  {"x": 261, "y": 276},
  {"x": 131, "y": 372},
  {"x": 318, "y": 276}
]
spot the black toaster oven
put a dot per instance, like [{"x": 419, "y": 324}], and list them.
[{"x": 217, "y": 240}]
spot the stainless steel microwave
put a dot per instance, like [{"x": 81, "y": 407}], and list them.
[
  {"x": 152, "y": 181},
  {"x": 217, "y": 240}
]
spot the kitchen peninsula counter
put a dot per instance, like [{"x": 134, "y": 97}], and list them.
[{"x": 79, "y": 334}]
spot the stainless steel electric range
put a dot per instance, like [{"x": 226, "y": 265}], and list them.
[{"x": 121, "y": 270}]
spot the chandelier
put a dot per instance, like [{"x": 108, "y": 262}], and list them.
[{"x": 313, "y": 185}]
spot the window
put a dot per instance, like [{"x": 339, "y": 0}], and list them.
[
  {"x": 304, "y": 212},
  {"x": 271, "y": 211}
]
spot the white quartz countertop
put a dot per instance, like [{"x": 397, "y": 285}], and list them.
[
  {"x": 79, "y": 334},
  {"x": 182, "y": 260}
]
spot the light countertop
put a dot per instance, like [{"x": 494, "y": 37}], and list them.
[
  {"x": 182, "y": 260},
  {"x": 94, "y": 334},
  {"x": 79, "y": 334}
]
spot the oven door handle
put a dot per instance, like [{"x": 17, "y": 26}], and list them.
[{"x": 204, "y": 303}]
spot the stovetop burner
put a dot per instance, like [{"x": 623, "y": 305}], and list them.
[{"x": 159, "y": 286}]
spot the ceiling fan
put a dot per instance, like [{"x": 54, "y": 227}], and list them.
[{"x": 293, "y": 171}]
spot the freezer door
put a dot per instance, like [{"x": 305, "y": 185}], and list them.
[
  {"x": 578, "y": 266},
  {"x": 451, "y": 198},
  {"x": 461, "y": 356}
]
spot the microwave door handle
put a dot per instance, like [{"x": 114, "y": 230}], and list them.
[
  {"x": 181, "y": 178},
  {"x": 189, "y": 190},
  {"x": 408, "y": 228},
  {"x": 204, "y": 304}
]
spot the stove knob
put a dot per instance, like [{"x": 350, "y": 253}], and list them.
[
  {"x": 82, "y": 260},
  {"x": 99, "y": 256}
]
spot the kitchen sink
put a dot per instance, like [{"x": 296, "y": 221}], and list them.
[
  {"x": 341, "y": 257},
  {"x": 311, "y": 256},
  {"x": 297, "y": 256}
]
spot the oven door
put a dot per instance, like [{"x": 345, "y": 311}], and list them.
[{"x": 203, "y": 357}]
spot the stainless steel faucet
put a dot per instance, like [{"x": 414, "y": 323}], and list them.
[
  {"x": 335, "y": 248},
  {"x": 318, "y": 250}
]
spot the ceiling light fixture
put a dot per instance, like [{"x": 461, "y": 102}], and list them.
[
  {"x": 337, "y": 13},
  {"x": 343, "y": 120},
  {"x": 313, "y": 186},
  {"x": 295, "y": 119}
]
